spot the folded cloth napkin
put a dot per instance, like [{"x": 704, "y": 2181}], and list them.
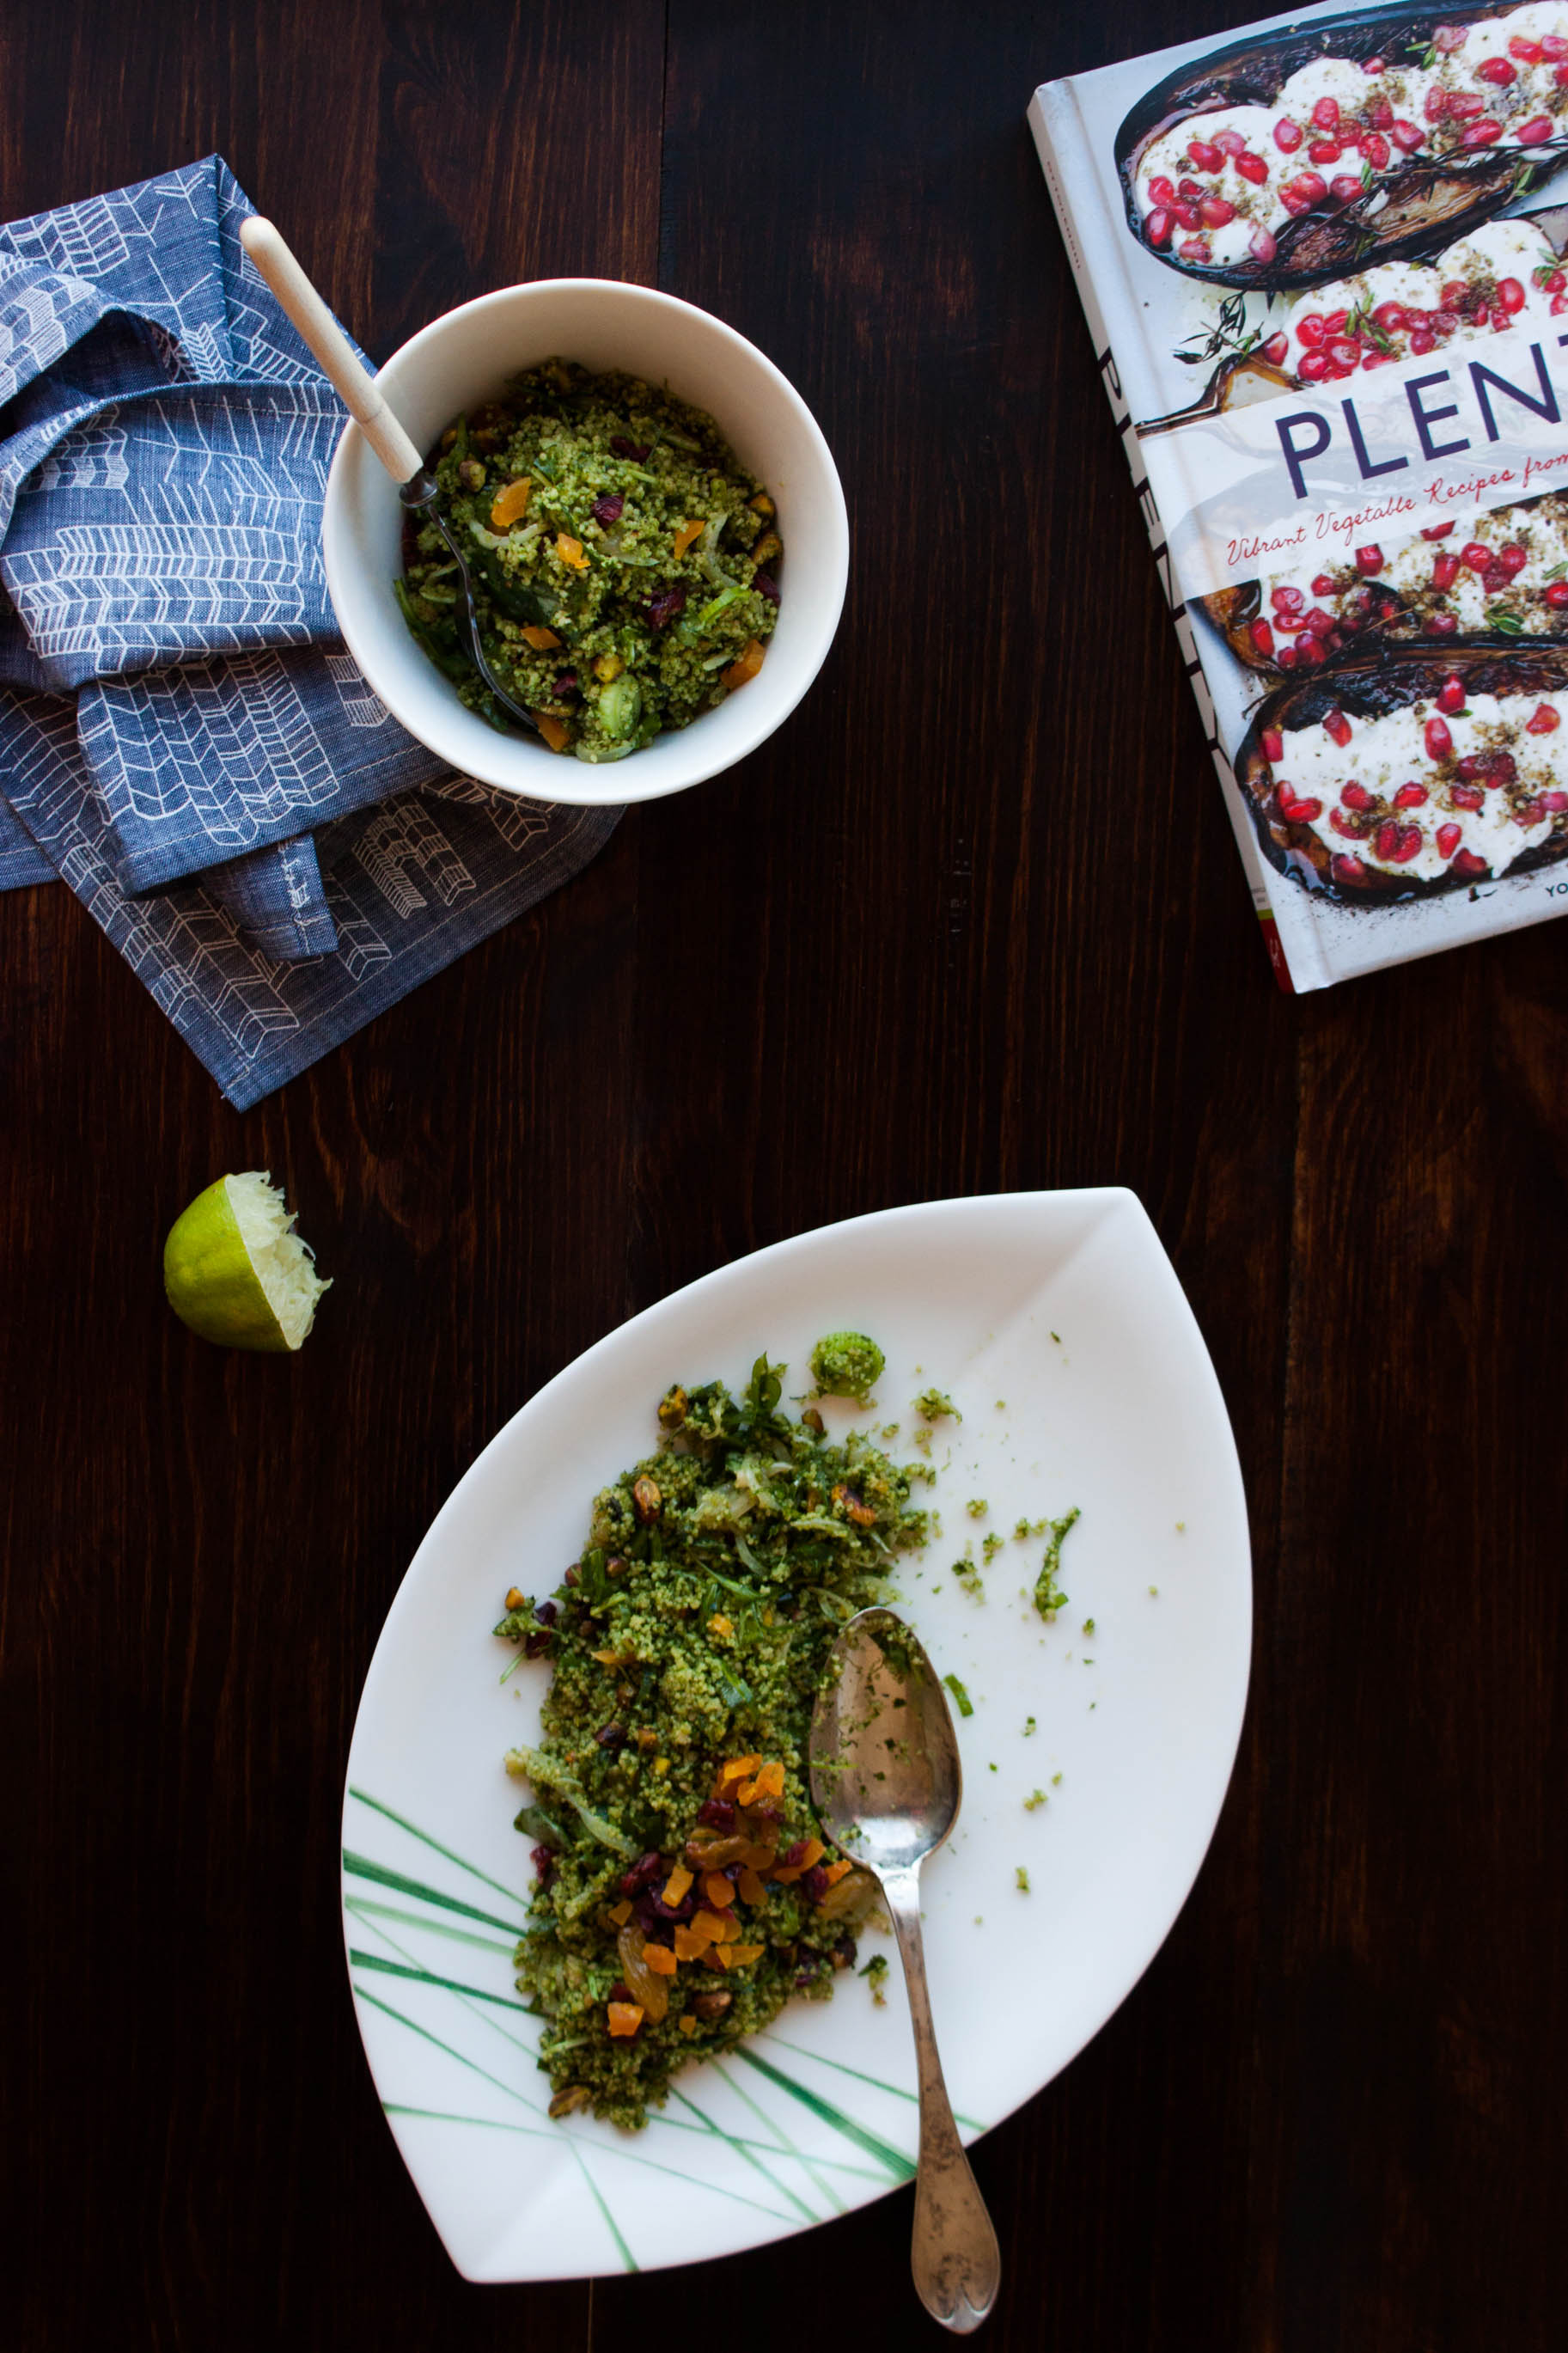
[{"x": 183, "y": 737}]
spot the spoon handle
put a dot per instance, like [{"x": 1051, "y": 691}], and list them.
[
  {"x": 331, "y": 347},
  {"x": 954, "y": 2257}
]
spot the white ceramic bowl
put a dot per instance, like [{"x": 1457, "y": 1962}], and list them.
[{"x": 466, "y": 357}]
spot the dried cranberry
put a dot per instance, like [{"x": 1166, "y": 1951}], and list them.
[
  {"x": 611, "y": 1735},
  {"x": 636, "y": 450},
  {"x": 543, "y": 1861},
  {"x": 766, "y": 586},
  {"x": 566, "y": 685},
  {"x": 619, "y": 1991},
  {"x": 807, "y": 1973},
  {"x": 547, "y": 1613},
  {"x": 608, "y": 508},
  {"x": 535, "y": 1645},
  {"x": 652, "y": 1907},
  {"x": 816, "y": 1883},
  {"x": 663, "y": 608},
  {"x": 765, "y": 1817},
  {"x": 643, "y": 1873},
  {"x": 843, "y": 1953},
  {"x": 716, "y": 1814}
]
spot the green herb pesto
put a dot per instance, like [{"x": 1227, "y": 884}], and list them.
[
  {"x": 1034, "y": 1800},
  {"x": 1048, "y": 1596},
  {"x": 623, "y": 561},
  {"x": 935, "y": 1404},
  {"x": 1021, "y": 1878},
  {"x": 692, "y": 1633},
  {"x": 846, "y": 1365},
  {"x": 961, "y": 1700},
  {"x": 977, "y": 1507},
  {"x": 876, "y": 1975}
]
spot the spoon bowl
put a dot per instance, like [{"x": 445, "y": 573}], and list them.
[{"x": 887, "y": 1785}]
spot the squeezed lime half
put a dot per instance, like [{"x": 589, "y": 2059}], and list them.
[{"x": 236, "y": 1271}]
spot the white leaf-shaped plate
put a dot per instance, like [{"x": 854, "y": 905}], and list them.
[{"x": 1057, "y": 1326}]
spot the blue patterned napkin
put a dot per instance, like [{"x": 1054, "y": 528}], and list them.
[{"x": 183, "y": 737}]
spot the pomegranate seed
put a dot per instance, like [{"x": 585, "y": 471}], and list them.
[
  {"x": 1511, "y": 294},
  {"x": 1456, "y": 292},
  {"x": 1477, "y": 555},
  {"x": 1216, "y": 211},
  {"x": 1374, "y": 151},
  {"x": 1560, "y": 76},
  {"x": 1189, "y": 189},
  {"x": 1287, "y": 601},
  {"x": 1319, "y": 622},
  {"x": 1344, "y": 188},
  {"x": 1498, "y": 69},
  {"x": 1263, "y": 247},
  {"x": 1554, "y": 804},
  {"x": 1557, "y": 595},
  {"x": 1380, "y": 114},
  {"x": 1186, "y": 215},
  {"x": 1195, "y": 249},
  {"x": 1356, "y": 796},
  {"x": 1442, "y": 625},
  {"x": 1463, "y": 105},
  {"x": 1336, "y": 322},
  {"x": 1406, "y": 137},
  {"x": 1392, "y": 318},
  {"x": 1309, "y": 649},
  {"x": 1311, "y": 186},
  {"x": 1163, "y": 191},
  {"x": 1437, "y": 105},
  {"x": 1481, "y": 134},
  {"x": 1371, "y": 65},
  {"x": 1527, "y": 812},
  {"x": 1286, "y": 656},
  {"x": 1535, "y": 132},
  {"x": 1326, "y": 151},
  {"x": 1377, "y": 360},
  {"x": 1301, "y": 812},
  {"x": 1422, "y": 343},
  {"x": 1157, "y": 227},
  {"x": 1344, "y": 353},
  {"x": 1273, "y": 743},
  {"x": 1262, "y": 637},
  {"x": 1294, "y": 201},
  {"x": 1553, "y": 46},
  {"x": 1467, "y": 796},
  {"x": 1288, "y": 136},
  {"x": 1558, "y": 304},
  {"x": 1276, "y": 350},
  {"x": 1323, "y": 585},
  {"x": 1545, "y": 722},
  {"x": 1437, "y": 530},
  {"x": 1504, "y": 768},
  {"x": 1554, "y": 282},
  {"x": 1349, "y": 829},
  {"x": 1451, "y": 695},
  {"x": 1310, "y": 329},
  {"x": 1337, "y": 725},
  {"x": 1410, "y": 795},
  {"x": 1230, "y": 143},
  {"x": 1439, "y": 743},
  {"x": 1448, "y": 839},
  {"x": 1528, "y": 53},
  {"x": 1369, "y": 559},
  {"x": 1397, "y": 843},
  {"x": 1326, "y": 114},
  {"x": 1313, "y": 368},
  {"x": 1253, "y": 168},
  {"x": 1472, "y": 767},
  {"x": 1466, "y": 862},
  {"x": 1443, "y": 323},
  {"x": 1203, "y": 157},
  {"x": 1513, "y": 559},
  {"x": 1345, "y": 869}
]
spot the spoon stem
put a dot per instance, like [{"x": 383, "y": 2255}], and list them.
[
  {"x": 326, "y": 340},
  {"x": 954, "y": 2257}
]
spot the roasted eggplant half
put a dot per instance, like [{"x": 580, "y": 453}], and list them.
[
  {"x": 1384, "y": 134},
  {"x": 1502, "y": 575},
  {"x": 1400, "y": 776}
]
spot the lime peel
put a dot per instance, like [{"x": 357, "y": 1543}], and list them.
[{"x": 235, "y": 1271}]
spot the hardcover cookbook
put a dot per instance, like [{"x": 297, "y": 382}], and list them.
[{"x": 1325, "y": 264}]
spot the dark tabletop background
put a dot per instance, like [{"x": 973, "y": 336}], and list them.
[{"x": 973, "y": 920}]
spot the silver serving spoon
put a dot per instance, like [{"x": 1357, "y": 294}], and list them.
[
  {"x": 416, "y": 486},
  {"x": 887, "y": 1785}
]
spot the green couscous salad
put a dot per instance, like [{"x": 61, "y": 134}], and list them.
[
  {"x": 681, "y": 1894},
  {"x": 624, "y": 565}
]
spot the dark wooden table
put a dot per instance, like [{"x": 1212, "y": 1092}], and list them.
[{"x": 973, "y": 921}]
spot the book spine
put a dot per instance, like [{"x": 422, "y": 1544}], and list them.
[{"x": 1055, "y": 135}]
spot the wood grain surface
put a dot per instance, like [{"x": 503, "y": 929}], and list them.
[{"x": 972, "y": 920}]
